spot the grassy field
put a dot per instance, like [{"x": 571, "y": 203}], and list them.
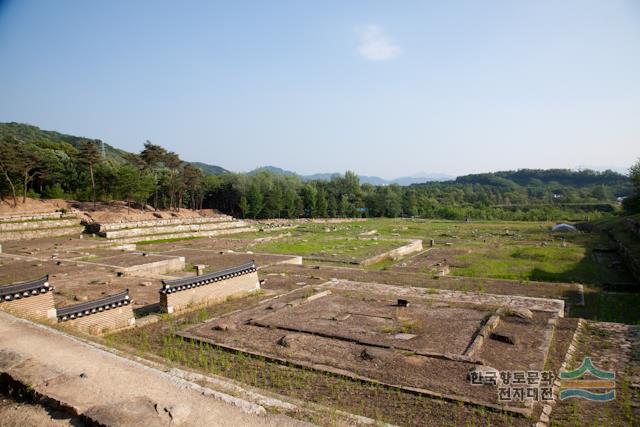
[
  {"x": 338, "y": 244},
  {"x": 503, "y": 250},
  {"x": 568, "y": 261}
]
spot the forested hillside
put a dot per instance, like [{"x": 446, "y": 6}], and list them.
[{"x": 36, "y": 163}]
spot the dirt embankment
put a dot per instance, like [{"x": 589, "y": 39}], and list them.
[
  {"x": 32, "y": 206},
  {"x": 116, "y": 211}
]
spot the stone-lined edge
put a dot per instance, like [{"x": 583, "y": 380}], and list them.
[
  {"x": 25, "y": 289},
  {"x": 547, "y": 408},
  {"x": 71, "y": 312},
  {"x": 171, "y": 286}
]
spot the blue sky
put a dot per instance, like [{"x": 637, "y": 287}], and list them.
[{"x": 382, "y": 88}]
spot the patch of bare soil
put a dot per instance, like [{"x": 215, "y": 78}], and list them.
[
  {"x": 63, "y": 246},
  {"x": 119, "y": 212},
  {"x": 32, "y": 206},
  {"x": 207, "y": 243},
  {"x": 429, "y": 261},
  {"x": 216, "y": 260},
  {"x": 14, "y": 413},
  {"x": 129, "y": 259},
  {"x": 525, "y": 354},
  {"x": 116, "y": 211}
]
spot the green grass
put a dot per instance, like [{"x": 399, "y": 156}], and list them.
[
  {"x": 550, "y": 263},
  {"x": 313, "y": 241},
  {"x": 609, "y": 306},
  {"x": 525, "y": 251},
  {"x": 176, "y": 239}
]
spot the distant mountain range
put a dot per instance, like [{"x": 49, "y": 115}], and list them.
[
  {"x": 209, "y": 169},
  {"x": 364, "y": 179}
]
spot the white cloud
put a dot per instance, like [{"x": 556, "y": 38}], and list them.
[{"x": 375, "y": 44}]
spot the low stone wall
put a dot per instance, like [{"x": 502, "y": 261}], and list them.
[
  {"x": 41, "y": 232},
  {"x": 32, "y": 299},
  {"x": 39, "y": 306},
  {"x": 209, "y": 294},
  {"x": 157, "y": 267},
  {"x": 291, "y": 260},
  {"x": 104, "y": 322},
  {"x": 100, "y": 316},
  {"x": 35, "y": 225},
  {"x": 162, "y": 229},
  {"x": 411, "y": 247},
  {"x": 555, "y": 306},
  {"x": 209, "y": 233},
  {"x": 111, "y": 226},
  {"x": 48, "y": 215}
]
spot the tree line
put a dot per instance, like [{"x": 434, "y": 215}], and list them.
[
  {"x": 59, "y": 170},
  {"x": 157, "y": 177}
]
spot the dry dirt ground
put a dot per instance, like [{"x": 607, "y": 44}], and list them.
[
  {"x": 113, "y": 390},
  {"x": 15, "y": 413}
]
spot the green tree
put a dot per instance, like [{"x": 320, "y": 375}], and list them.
[
  {"x": 244, "y": 206},
  {"x": 133, "y": 184},
  {"x": 153, "y": 156},
  {"x": 309, "y": 200},
  {"x": 255, "y": 200},
  {"x": 8, "y": 152},
  {"x": 321, "y": 204},
  {"x": 89, "y": 156},
  {"x": 193, "y": 180},
  {"x": 28, "y": 163},
  {"x": 632, "y": 203}
]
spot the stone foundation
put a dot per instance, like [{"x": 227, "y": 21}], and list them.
[
  {"x": 394, "y": 254},
  {"x": 165, "y": 229},
  {"x": 158, "y": 267},
  {"x": 210, "y": 233},
  {"x": 40, "y": 232}
]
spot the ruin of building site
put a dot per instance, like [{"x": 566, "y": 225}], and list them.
[{"x": 319, "y": 213}]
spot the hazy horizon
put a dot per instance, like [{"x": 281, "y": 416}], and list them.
[{"x": 385, "y": 91}]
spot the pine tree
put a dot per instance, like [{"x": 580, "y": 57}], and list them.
[{"x": 89, "y": 156}]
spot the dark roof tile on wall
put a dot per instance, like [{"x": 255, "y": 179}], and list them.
[
  {"x": 92, "y": 307},
  {"x": 170, "y": 286},
  {"x": 25, "y": 289}
]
